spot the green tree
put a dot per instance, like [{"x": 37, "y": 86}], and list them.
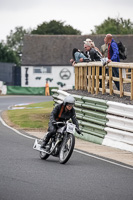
[
  {"x": 8, "y": 55},
  {"x": 114, "y": 26},
  {"x": 15, "y": 41},
  {"x": 55, "y": 28}
]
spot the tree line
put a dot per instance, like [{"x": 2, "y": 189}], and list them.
[{"x": 11, "y": 50}]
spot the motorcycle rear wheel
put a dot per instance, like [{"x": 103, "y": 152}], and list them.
[{"x": 67, "y": 149}]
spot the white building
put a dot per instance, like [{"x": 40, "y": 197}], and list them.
[
  {"x": 44, "y": 58},
  {"x": 57, "y": 76}
]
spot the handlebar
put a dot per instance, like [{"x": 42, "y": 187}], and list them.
[
  {"x": 56, "y": 123},
  {"x": 63, "y": 123}
]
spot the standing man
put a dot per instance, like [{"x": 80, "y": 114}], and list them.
[
  {"x": 104, "y": 49},
  {"x": 94, "y": 56},
  {"x": 47, "y": 89},
  {"x": 113, "y": 55}
]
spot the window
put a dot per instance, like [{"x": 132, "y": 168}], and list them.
[{"x": 38, "y": 70}]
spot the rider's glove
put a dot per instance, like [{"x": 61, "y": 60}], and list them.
[{"x": 79, "y": 131}]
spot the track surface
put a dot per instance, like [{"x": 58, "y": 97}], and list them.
[{"x": 23, "y": 175}]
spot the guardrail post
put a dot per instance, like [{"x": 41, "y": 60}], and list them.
[
  {"x": 103, "y": 80},
  {"x": 81, "y": 78},
  {"x": 110, "y": 81},
  {"x": 131, "y": 84},
  {"x": 93, "y": 80},
  {"x": 97, "y": 79},
  {"x": 76, "y": 77},
  {"x": 121, "y": 82},
  {"x": 89, "y": 79},
  {"x": 85, "y": 78}
]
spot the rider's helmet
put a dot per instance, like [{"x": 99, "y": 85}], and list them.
[{"x": 69, "y": 100}]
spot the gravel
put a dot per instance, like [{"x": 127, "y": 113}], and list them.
[{"x": 114, "y": 97}]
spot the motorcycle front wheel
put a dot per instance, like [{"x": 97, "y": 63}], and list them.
[
  {"x": 44, "y": 155},
  {"x": 66, "y": 148}
]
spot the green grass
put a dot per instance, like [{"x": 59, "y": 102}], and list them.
[{"x": 34, "y": 116}]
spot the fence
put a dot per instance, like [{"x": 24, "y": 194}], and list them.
[
  {"x": 102, "y": 122},
  {"x": 87, "y": 78}
]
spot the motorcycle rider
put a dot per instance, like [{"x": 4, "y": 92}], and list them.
[{"x": 61, "y": 112}]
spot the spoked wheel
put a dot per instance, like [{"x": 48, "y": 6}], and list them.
[
  {"x": 44, "y": 155},
  {"x": 67, "y": 149}
]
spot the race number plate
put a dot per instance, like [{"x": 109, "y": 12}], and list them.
[{"x": 70, "y": 128}]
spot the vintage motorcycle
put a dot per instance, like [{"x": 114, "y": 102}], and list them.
[{"x": 61, "y": 144}]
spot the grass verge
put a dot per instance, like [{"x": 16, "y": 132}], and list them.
[{"x": 32, "y": 117}]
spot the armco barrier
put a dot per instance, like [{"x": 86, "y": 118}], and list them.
[
  {"x": 91, "y": 114},
  {"x": 119, "y": 126},
  {"x": 119, "y": 139},
  {"x": 120, "y": 123},
  {"x": 59, "y": 96},
  {"x": 120, "y": 109},
  {"x": 103, "y": 122}
]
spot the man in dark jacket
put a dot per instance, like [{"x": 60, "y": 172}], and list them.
[
  {"x": 62, "y": 112},
  {"x": 113, "y": 55}
]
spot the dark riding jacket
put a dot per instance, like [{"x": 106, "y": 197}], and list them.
[{"x": 54, "y": 116}]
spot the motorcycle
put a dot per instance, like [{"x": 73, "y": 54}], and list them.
[{"x": 61, "y": 144}]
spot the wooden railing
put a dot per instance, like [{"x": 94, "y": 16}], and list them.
[{"x": 87, "y": 78}]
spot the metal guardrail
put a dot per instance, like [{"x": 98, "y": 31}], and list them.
[
  {"x": 119, "y": 126},
  {"x": 103, "y": 122},
  {"x": 91, "y": 115}
]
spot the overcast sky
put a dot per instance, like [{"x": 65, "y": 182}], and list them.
[{"x": 80, "y": 14}]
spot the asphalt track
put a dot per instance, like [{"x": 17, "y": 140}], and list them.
[{"x": 23, "y": 175}]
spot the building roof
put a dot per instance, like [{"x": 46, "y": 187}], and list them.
[{"x": 48, "y": 50}]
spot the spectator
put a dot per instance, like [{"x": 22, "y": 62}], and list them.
[
  {"x": 113, "y": 55},
  {"x": 87, "y": 48},
  {"x": 93, "y": 46},
  {"x": 94, "y": 56},
  {"x": 78, "y": 56},
  {"x": 92, "y": 52},
  {"x": 104, "y": 49},
  {"x": 87, "y": 40},
  {"x": 47, "y": 89}
]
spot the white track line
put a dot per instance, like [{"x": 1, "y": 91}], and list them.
[
  {"x": 15, "y": 129},
  {"x": 108, "y": 161},
  {"x": 78, "y": 151}
]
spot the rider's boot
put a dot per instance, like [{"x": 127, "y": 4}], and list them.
[{"x": 44, "y": 142}]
